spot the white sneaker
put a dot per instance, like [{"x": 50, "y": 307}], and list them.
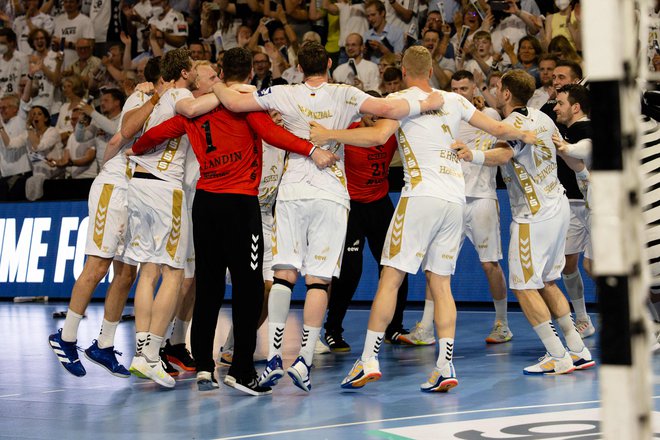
[
  {"x": 499, "y": 334},
  {"x": 136, "y": 366},
  {"x": 299, "y": 372},
  {"x": 441, "y": 380},
  {"x": 155, "y": 372},
  {"x": 419, "y": 336},
  {"x": 582, "y": 359},
  {"x": 362, "y": 373},
  {"x": 584, "y": 327},
  {"x": 552, "y": 365},
  {"x": 320, "y": 347}
]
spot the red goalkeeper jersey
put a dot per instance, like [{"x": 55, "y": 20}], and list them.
[{"x": 227, "y": 146}]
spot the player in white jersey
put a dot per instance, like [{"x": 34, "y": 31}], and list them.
[
  {"x": 427, "y": 225},
  {"x": 540, "y": 222},
  {"x": 158, "y": 224},
  {"x": 105, "y": 242},
  {"x": 312, "y": 204}
]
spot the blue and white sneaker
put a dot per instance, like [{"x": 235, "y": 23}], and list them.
[
  {"x": 273, "y": 372},
  {"x": 105, "y": 357},
  {"x": 582, "y": 360},
  {"x": 441, "y": 380},
  {"x": 67, "y": 354},
  {"x": 362, "y": 373},
  {"x": 299, "y": 372}
]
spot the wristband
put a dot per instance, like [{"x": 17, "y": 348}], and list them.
[
  {"x": 312, "y": 151},
  {"x": 583, "y": 175},
  {"x": 478, "y": 157},
  {"x": 154, "y": 98},
  {"x": 415, "y": 106}
]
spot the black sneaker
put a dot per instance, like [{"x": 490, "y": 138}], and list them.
[
  {"x": 178, "y": 354},
  {"x": 206, "y": 381},
  {"x": 395, "y": 338},
  {"x": 248, "y": 386},
  {"x": 169, "y": 369},
  {"x": 336, "y": 343}
]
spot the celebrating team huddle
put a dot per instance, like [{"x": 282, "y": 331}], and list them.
[{"x": 191, "y": 149}]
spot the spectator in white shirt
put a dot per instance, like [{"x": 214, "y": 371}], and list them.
[
  {"x": 357, "y": 71},
  {"x": 171, "y": 22},
  {"x": 33, "y": 19},
  {"x": 70, "y": 27},
  {"x": 13, "y": 64},
  {"x": 14, "y": 164}
]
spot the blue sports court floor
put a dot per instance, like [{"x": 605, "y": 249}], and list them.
[{"x": 494, "y": 400}]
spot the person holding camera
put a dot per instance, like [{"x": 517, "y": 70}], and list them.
[
  {"x": 357, "y": 71},
  {"x": 382, "y": 38}
]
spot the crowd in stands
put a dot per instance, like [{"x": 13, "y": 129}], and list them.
[{"x": 66, "y": 66}]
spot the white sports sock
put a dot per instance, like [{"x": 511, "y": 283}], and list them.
[
  {"x": 500, "y": 310},
  {"x": 140, "y": 340},
  {"x": 278, "y": 309},
  {"x": 446, "y": 351},
  {"x": 309, "y": 337},
  {"x": 151, "y": 350},
  {"x": 107, "y": 335},
  {"x": 179, "y": 332},
  {"x": 573, "y": 339},
  {"x": 575, "y": 290},
  {"x": 427, "y": 316},
  {"x": 550, "y": 339},
  {"x": 168, "y": 332},
  {"x": 70, "y": 327},
  {"x": 372, "y": 344},
  {"x": 229, "y": 343}
]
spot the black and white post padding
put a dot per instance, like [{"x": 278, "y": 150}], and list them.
[{"x": 621, "y": 270}]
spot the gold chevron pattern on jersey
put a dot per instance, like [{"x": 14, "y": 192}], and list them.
[
  {"x": 518, "y": 123},
  {"x": 409, "y": 160},
  {"x": 397, "y": 227},
  {"x": 525, "y": 251},
  {"x": 102, "y": 214},
  {"x": 541, "y": 153},
  {"x": 175, "y": 231},
  {"x": 527, "y": 186}
]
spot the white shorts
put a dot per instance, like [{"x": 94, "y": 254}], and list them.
[
  {"x": 308, "y": 235},
  {"x": 108, "y": 217},
  {"x": 536, "y": 250},
  {"x": 426, "y": 231},
  {"x": 482, "y": 228},
  {"x": 157, "y": 223},
  {"x": 578, "y": 239},
  {"x": 189, "y": 269},
  {"x": 267, "y": 228}
]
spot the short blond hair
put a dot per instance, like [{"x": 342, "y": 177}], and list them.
[{"x": 417, "y": 61}]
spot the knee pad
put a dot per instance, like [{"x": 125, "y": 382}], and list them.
[
  {"x": 283, "y": 282},
  {"x": 317, "y": 286}
]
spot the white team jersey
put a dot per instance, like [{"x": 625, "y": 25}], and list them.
[
  {"x": 11, "y": 72},
  {"x": 46, "y": 94},
  {"x": 100, "y": 13},
  {"x": 479, "y": 180},
  {"x": 116, "y": 170},
  {"x": 430, "y": 166},
  {"x": 172, "y": 23},
  {"x": 334, "y": 106},
  {"x": 531, "y": 176},
  {"x": 271, "y": 173},
  {"x": 39, "y": 21},
  {"x": 190, "y": 174},
  {"x": 166, "y": 161},
  {"x": 72, "y": 30}
]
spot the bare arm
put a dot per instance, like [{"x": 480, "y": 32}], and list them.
[
  {"x": 193, "y": 107},
  {"x": 501, "y": 130},
  {"x": 114, "y": 146},
  {"x": 235, "y": 101},
  {"x": 293, "y": 9},
  {"x": 404, "y": 14},
  {"x": 330, "y": 7},
  {"x": 399, "y": 108},
  {"x": 500, "y": 154},
  {"x": 360, "y": 137}
]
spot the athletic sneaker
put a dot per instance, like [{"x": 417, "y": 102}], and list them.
[
  {"x": 248, "y": 386},
  {"x": 134, "y": 369},
  {"x": 169, "y": 368},
  {"x": 584, "y": 327},
  {"x": 225, "y": 357},
  {"x": 105, "y": 357},
  {"x": 552, "y": 365},
  {"x": 154, "y": 371},
  {"x": 582, "y": 360},
  {"x": 499, "y": 334},
  {"x": 320, "y": 347},
  {"x": 441, "y": 380},
  {"x": 336, "y": 343},
  {"x": 67, "y": 354},
  {"x": 361, "y": 373},
  {"x": 397, "y": 337},
  {"x": 272, "y": 373},
  {"x": 206, "y": 381},
  {"x": 299, "y": 372},
  {"x": 178, "y": 354},
  {"x": 419, "y": 336}
]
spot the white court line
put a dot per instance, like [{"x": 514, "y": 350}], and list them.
[
  {"x": 9, "y": 395},
  {"x": 52, "y": 391},
  {"x": 426, "y": 416},
  {"x": 498, "y": 354}
]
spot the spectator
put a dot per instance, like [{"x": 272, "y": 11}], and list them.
[
  {"x": 70, "y": 27},
  {"x": 78, "y": 157},
  {"x": 13, "y": 64},
  {"x": 561, "y": 48},
  {"x": 86, "y": 64},
  {"x": 196, "y": 51},
  {"x": 392, "y": 80},
  {"x": 73, "y": 91},
  {"x": 285, "y": 39},
  {"x": 105, "y": 16},
  {"x": 352, "y": 19},
  {"x": 111, "y": 73},
  {"x": 222, "y": 25},
  {"x": 15, "y": 167},
  {"x": 263, "y": 77},
  {"x": 515, "y": 23},
  {"x": 527, "y": 58},
  {"x": 484, "y": 58},
  {"x": 138, "y": 17},
  {"x": 357, "y": 71},
  {"x": 443, "y": 68},
  {"x": 32, "y": 20},
  {"x": 546, "y": 91},
  {"x": 470, "y": 18},
  {"x": 169, "y": 21},
  {"x": 565, "y": 22},
  {"x": 403, "y": 14},
  {"x": 45, "y": 67},
  {"x": 382, "y": 38}
]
